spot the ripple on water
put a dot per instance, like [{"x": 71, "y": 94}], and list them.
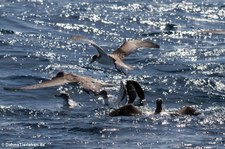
[{"x": 188, "y": 69}]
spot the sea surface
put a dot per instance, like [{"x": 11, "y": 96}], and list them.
[{"x": 187, "y": 69}]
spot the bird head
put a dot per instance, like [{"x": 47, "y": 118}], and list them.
[
  {"x": 104, "y": 95},
  {"x": 158, "y": 106},
  {"x": 63, "y": 95},
  {"x": 59, "y": 74},
  {"x": 94, "y": 58}
]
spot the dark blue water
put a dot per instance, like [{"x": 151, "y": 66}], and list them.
[{"x": 188, "y": 69}]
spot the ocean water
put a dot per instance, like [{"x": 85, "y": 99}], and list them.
[{"x": 187, "y": 69}]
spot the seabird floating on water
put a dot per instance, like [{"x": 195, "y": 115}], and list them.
[
  {"x": 132, "y": 90},
  {"x": 68, "y": 101},
  {"x": 87, "y": 83},
  {"x": 158, "y": 109},
  {"x": 116, "y": 57},
  {"x": 186, "y": 110},
  {"x": 126, "y": 110}
]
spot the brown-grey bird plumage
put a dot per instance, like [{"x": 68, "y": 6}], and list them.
[
  {"x": 186, "y": 110},
  {"x": 131, "y": 91},
  {"x": 116, "y": 57},
  {"x": 87, "y": 83}
]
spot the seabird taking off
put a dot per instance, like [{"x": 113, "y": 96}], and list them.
[
  {"x": 87, "y": 83},
  {"x": 116, "y": 57},
  {"x": 132, "y": 90}
]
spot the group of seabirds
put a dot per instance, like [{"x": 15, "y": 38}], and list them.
[{"x": 131, "y": 94}]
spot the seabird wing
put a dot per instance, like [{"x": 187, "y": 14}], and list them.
[
  {"x": 134, "y": 89},
  {"x": 129, "y": 46},
  {"x": 83, "y": 39},
  {"x": 132, "y": 94},
  {"x": 138, "y": 89},
  {"x": 61, "y": 79},
  {"x": 89, "y": 84},
  {"x": 50, "y": 83},
  {"x": 122, "y": 97},
  {"x": 120, "y": 63}
]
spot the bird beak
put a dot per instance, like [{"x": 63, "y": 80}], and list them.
[
  {"x": 91, "y": 61},
  {"x": 57, "y": 95},
  {"x": 93, "y": 58}
]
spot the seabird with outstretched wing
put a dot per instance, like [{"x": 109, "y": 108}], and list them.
[
  {"x": 116, "y": 57},
  {"x": 87, "y": 83}
]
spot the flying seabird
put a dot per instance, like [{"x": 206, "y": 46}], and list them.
[
  {"x": 116, "y": 57},
  {"x": 87, "y": 83}
]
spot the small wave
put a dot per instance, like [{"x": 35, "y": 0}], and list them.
[
  {"x": 21, "y": 77},
  {"x": 16, "y": 110},
  {"x": 13, "y": 81},
  {"x": 5, "y": 31},
  {"x": 38, "y": 125},
  {"x": 21, "y": 112},
  {"x": 2, "y": 43},
  {"x": 172, "y": 68},
  {"x": 167, "y": 29},
  {"x": 93, "y": 130}
]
